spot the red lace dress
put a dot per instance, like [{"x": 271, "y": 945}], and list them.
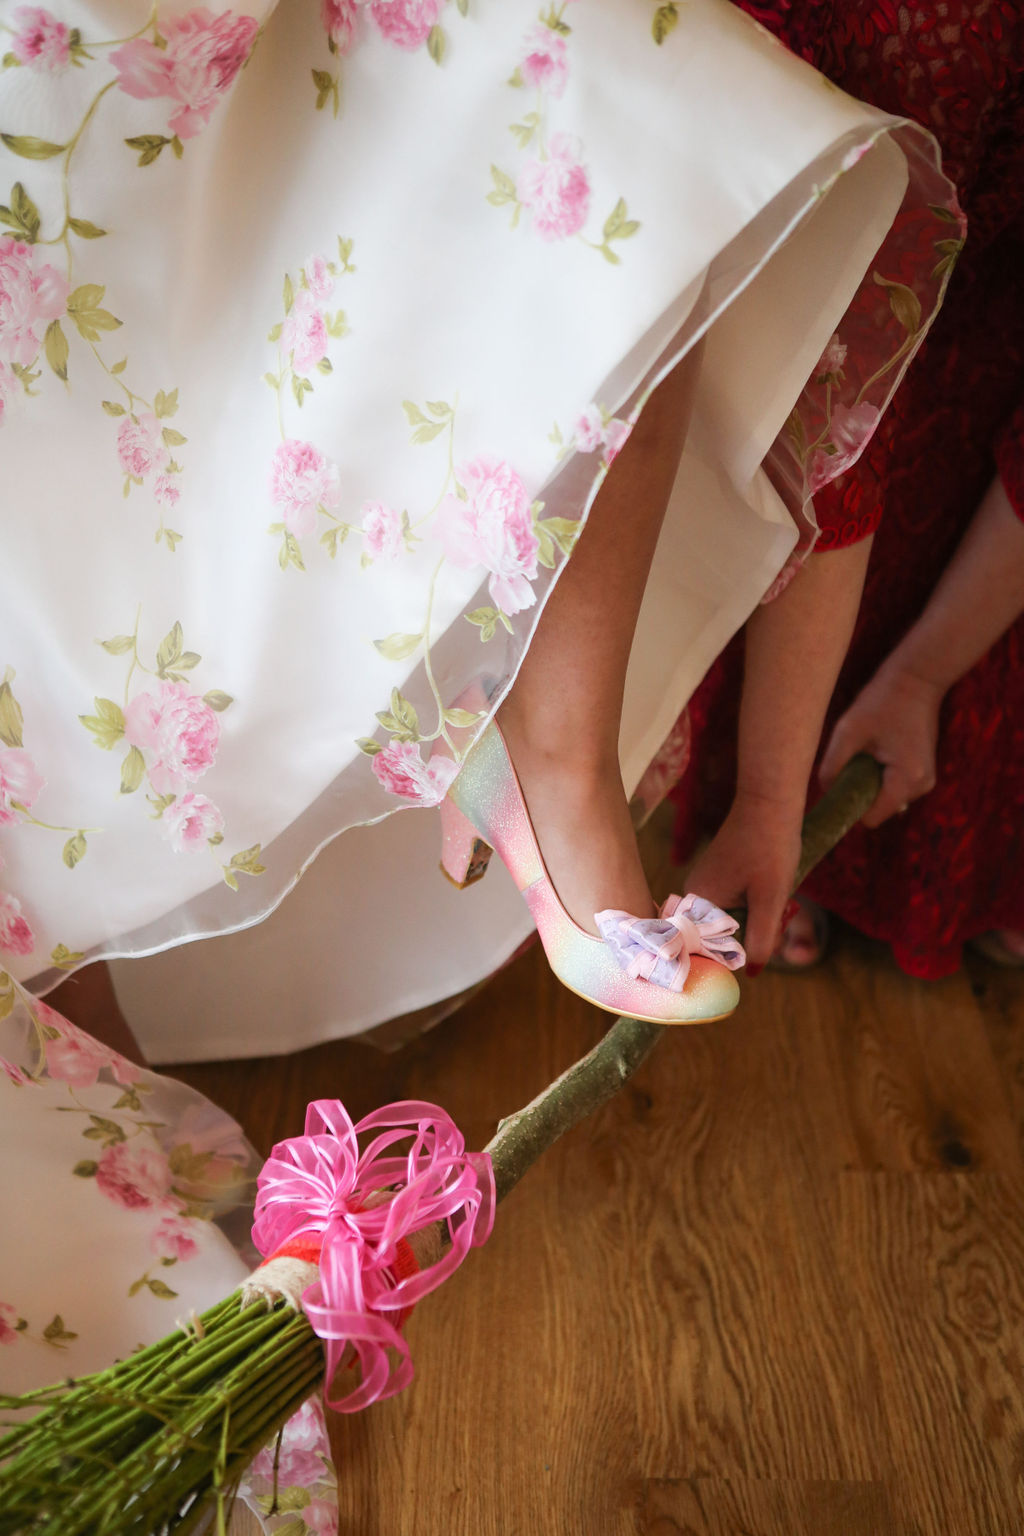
[{"x": 952, "y": 867}]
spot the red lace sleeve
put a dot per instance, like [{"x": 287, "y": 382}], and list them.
[{"x": 1010, "y": 461}]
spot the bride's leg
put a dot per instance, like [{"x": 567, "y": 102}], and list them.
[{"x": 561, "y": 719}]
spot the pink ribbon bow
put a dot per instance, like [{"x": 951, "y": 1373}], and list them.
[
  {"x": 319, "y": 1185},
  {"x": 658, "y": 949}
]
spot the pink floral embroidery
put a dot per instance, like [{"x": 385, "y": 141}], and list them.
[
  {"x": 74, "y": 1057},
  {"x": 321, "y": 1517},
  {"x": 493, "y": 528},
  {"x": 588, "y": 433},
  {"x": 615, "y": 436},
  {"x": 406, "y": 22},
  {"x": 546, "y": 64},
  {"x": 133, "y": 1176},
  {"x": 173, "y": 1239},
  {"x": 300, "y": 1462},
  {"x": 304, "y": 332},
  {"x": 140, "y": 447},
  {"x": 20, "y": 782},
  {"x": 166, "y": 491},
  {"x": 8, "y": 1323},
  {"x": 382, "y": 531},
  {"x": 401, "y": 770},
  {"x": 16, "y": 936},
  {"x": 339, "y": 19},
  {"x": 202, "y": 57},
  {"x": 850, "y": 429},
  {"x": 319, "y": 278},
  {"x": 830, "y": 363},
  {"x": 301, "y": 480},
  {"x": 31, "y": 296},
  {"x": 7, "y": 388},
  {"x": 41, "y": 41},
  {"x": 556, "y": 190},
  {"x": 180, "y": 729},
  {"x": 190, "y": 822},
  {"x": 14, "y": 1072}
]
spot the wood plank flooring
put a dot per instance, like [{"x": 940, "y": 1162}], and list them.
[{"x": 776, "y": 1288}]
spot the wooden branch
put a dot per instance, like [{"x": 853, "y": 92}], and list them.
[{"x": 588, "y": 1083}]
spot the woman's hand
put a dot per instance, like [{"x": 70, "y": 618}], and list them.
[
  {"x": 895, "y": 717},
  {"x": 752, "y": 861}
]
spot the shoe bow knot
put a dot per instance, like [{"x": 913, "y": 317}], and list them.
[{"x": 658, "y": 949}]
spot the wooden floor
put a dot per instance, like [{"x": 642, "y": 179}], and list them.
[{"x": 776, "y": 1288}]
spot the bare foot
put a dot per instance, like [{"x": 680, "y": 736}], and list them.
[
  {"x": 581, "y": 818},
  {"x": 88, "y": 999}
]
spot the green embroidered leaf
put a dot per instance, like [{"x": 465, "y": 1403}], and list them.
[
  {"x": 666, "y": 19},
  {"x": 129, "y": 1100},
  {"x": 463, "y": 6},
  {"x": 177, "y": 147},
  {"x": 85, "y": 1169},
  {"x": 504, "y": 189},
  {"x": 85, "y": 229},
  {"x": 516, "y": 77},
  {"x": 401, "y": 719},
  {"x": 22, "y": 216},
  {"x": 106, "y": 725},
  {"x": 345, "y": 252},
  {"x": 171, "y": 538},
  {"x": 165, "y": 404},
  {"x": 248, "y": 861},
  {"x": 121, "y": 366},
  {"x": 75, "y": 848},
  {"x": 107, "y": 1131},
  {"x": 31, "y": 148},
  {"x": 618, "y": 226},
  {"x": 160, "y": 804},
  {"x": 217, "y": 700},
  {"x": 429, "y": 432},
  {"x": 413, "y": 415},
  {"x": 172, "y": 438},
  {"x": 945, "y": 214},
  {"x": 564, "y": 531},
  {"x": 437, "y": 42},
  {"x": 112, "y": 408},
  {"x": 336, "y": 324},
  {"x": 368, "y": 745},
  {"x": 462, "y": 717},
  {"x": 486, "y": 620},
  {"x": 64, "y": 958},
  {"x": 525, "y": 130},
  {"x": 119, "y": 646},
  {"x": 86, "y": 296},
  {"x": 158, "y": 1288},
  {"x": 55, "y": 1333},
  {"x": 149, "y": 145},
  {"x": 325, "y": 365},
  {"x": 169, "y": 649},
  {"x": 186, "y": 1164},
  {"x": 332, "y": 537},
  {"x": 441, "y": 409},
  {"x": 55, "y": 346},
  {"x": 290, "y": 553},
  {"x": 289, "y": 294},
  {"x": 903, "y": 302},
  {"x": 10, "y": 715},
  {"x": 397, "y": 647},
  {"x": 133, "y": 771},
  {"x": 8, "y": 996},
  {"x": 545, "y": 546}
]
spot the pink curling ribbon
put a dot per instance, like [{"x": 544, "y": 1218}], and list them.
[
  {"x": 658, "y": 949},
  {"x": 320, "y": 1187}
]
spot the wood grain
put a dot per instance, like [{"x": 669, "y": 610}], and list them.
[{"x": 773, "y": 1289}]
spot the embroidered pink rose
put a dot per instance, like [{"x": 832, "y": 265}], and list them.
[
  {"x": 14, "y": 1072},
  {"x": 339, "y": 19},
  {"x": 556, "y": 190},
  {"x": 406, "y": 22},
  {"x": 851, "y": 428},
  {"x": 9, "y": 1321},
  {"x": 20, "y": 782},
  {"x": 493, "y": 528},
  {"x": 40, "y": 41},
  {"x": 401, "y": 770},
  {"x": 16, "y": 936},
  {"x": 321, "y": 1517},
  {"x": 179, "y": 728},
  {"x": 75, "y": 1057},
  {"x": 615, "y": 435},
  {"x": 588, "y": 433},
  {"x": 319, "y": 278},
  {"x": 304, "y": 333},
  {"x": 140, "y": 447},
  {"x": 190, "y": 822},
  {"x": 173, "y": 1239},
  {"x": 166, "y": 491},
  {"x": 546, "y": 64},
  {"x": 830, "y": 363},
  {"x": 301, "y": 480},
  {"x": 300, "y": 1462},
  {"x": 382, "y": 531},
  {"x": 133, "y": 1175},
  {"x": 32, "y": 294},
  {"x": 201, "y": 60}
]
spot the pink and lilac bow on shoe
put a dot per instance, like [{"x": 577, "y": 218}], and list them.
[
  {"x": 361, "y": 1207},
  {"x": 658, "y": 949}
]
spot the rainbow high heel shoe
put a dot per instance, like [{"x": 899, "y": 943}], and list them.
[{"x": 675, "y": 968}]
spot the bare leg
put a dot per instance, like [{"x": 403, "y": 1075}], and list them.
[
  {"x": 88, "y": 1000},
  {"x": 561, "y": 719}
]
